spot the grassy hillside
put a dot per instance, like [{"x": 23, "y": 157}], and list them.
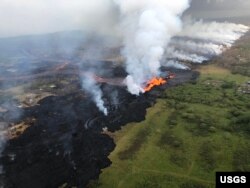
[{"x": 191, "y": 132}]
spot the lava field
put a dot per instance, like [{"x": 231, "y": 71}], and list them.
[{"x": 66, "y": 140}]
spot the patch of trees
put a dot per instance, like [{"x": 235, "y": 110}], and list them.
[
  {"x": 235, "y": 112},
  {"x": 207, "y": 156},
  {"x": 241, "y": 158},
  {"x": 179, "y": 158},
  {"x": 169, "y": 139},
  {"x": 172, "y": 119},
  {"x": 193, "y": 184},
  {"x": 135, "y": 146},
  {"x": 243, "y": 70},
  {"x": 228, "y": 85},
  {"x": 201, "y": 125},
  {"x": 241, "y": 123},
  {"x": 148, "y": 182},
  {"x": 175, "y": 104},
  {"x": 202, "y": 94}
]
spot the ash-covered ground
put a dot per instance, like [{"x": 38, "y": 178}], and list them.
[{"x": 55, "y": 132}]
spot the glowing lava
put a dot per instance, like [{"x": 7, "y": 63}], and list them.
[
  {"x": 154, "y": 82},
  {"x": 158, "y": 81}
]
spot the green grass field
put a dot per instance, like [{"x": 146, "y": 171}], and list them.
[{"x": 191, "y": 132}]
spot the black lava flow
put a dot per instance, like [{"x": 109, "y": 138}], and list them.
[{"x": 66, "y": 143}]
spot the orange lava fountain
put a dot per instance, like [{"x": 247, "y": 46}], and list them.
[
  {"x": 154, "y": 82},
  {"x": 158, "y": 81}
]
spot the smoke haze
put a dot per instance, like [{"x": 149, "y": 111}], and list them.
[
  {"x": 24, "y": 17},
  {"x": 200, "y": 41}
]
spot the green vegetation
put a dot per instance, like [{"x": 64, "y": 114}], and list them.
[
  {"x": 237, "y": 59},
  {"x": 241, "y": 157},
  {"x": 207, "y": 155},
  {"x": 191, "y": 132},
  {"x": 135, "y": 146}
]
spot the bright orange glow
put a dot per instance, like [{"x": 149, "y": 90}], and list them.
[{"x": 154, "y": 82}]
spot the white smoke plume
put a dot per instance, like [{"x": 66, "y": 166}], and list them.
[
  {"x": 222, "y": 33},
  {"x": 185, "y": 56},
  {"x": 199, "y": 47},
  {"x": 200, "y": 41},
  {"x": 148, "y": 26},
  {"x": 175, "y": 64},
  {"x": 90, "y": 86}
]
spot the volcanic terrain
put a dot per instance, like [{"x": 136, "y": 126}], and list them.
[{"x": 56, "y": 134}]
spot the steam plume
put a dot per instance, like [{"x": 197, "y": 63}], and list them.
[
  {"x": 148, "y": 26},
  {"x": 89, "y": 84}
]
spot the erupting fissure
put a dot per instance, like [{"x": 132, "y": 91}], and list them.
[
  {"x": 154, "y": 82},
  {"x": 157, "y": 81},
  {"x": 147, "y": 27}
]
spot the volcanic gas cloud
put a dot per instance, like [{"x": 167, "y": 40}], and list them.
[
  {"x": 148, "y": 27},
  {"x": 150, "y": 33},
  {"x": 153, "y": 35}
]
